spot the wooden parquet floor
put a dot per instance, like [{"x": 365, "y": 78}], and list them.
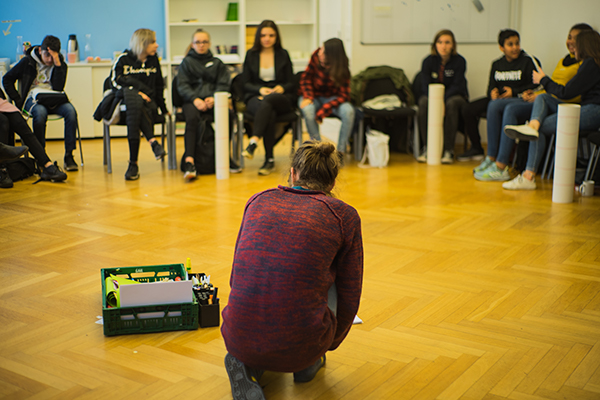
[{"x": 470, "y": 291}]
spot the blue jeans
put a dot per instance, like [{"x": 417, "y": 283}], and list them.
[
  {"x": 344, "y": 111},
  {"x": 514, "y": 113},
  {"x": 545, "y": 110},
  {"x": 40, "y": 113},
  {"x": 495, "y": 114}
]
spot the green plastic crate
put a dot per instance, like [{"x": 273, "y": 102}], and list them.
[{"x": 126, "y": 320}]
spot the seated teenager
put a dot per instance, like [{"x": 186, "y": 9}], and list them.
[
  {"x": 296, "y": 277},
  {"x": 269, "y": 88},
  {"x": 325, "y": 91},
  {"x": 510, "y": 78},
  {"x": 200, "y": 76},
  {"x": 44, "y": 68},
  {"x": 543, "y": 119},
  {"x": 519, "y": 112},
  {"x": 444, "y": 65},
  {"x": 137, "y": 74},
  {"x": 11, "y": 121}
]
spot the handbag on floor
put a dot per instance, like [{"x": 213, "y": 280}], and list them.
[{"x": 376, "y": 150}]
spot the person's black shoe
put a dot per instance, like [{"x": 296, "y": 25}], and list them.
[
  {"x": 159, "y": 151},
  {"x": 307, "y": 374},
  {"x": 70, "y": 164},
  {"x": 244, "y": 385},
  {"x": 233, "y": 167},
  {"x": 189, "y": 171},
  {"x": 267, "y": 168},
  {"x": 471, "y": 154},
  {"x": 11, "y": 152},
  {"x": 53, "y": 173},
  {"x": 5, "y": 181},
  {"x": 249, "y": 152},
  {"x": 133, "y": 172}
]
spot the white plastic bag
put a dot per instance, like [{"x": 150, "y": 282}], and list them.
[{"x": 376, "y": 150}]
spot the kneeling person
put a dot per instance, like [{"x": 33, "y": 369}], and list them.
[{"x": 296, "y": 278}]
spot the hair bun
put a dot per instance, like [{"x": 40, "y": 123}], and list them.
[{"x": 326, "y": 148}]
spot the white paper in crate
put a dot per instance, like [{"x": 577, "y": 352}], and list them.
[
  {"x": 376, "y": 150},
  {"x": 156, "y": 293}
]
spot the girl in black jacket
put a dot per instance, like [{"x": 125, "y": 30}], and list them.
[
  {"x": 447, "y": 67},
  {"x": 269, "y": 89},
  {"x": 199, "y": 77},
  {"x": 137, "y": 73}
]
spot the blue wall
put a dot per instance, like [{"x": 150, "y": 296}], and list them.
[{"x": 110, "y": 22}]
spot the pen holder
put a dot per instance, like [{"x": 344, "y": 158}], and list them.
[{"x": 210, "y": 315}]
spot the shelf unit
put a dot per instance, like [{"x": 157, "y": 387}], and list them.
[{"x": 296, "y": 19}]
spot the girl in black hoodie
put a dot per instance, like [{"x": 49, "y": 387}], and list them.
[
  {"x": 199, "y": 77},
  {"x": 137, "y": 73}
]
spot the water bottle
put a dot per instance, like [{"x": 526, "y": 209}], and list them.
[
  {"x": 19, "y": 48},
  {"x": 72, "y": 46},
  {"x": 88, "y": 46}
]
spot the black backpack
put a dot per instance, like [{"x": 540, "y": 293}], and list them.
[
  {"x": 21, "y": 168},
  {"x": 204, "y": 158}
]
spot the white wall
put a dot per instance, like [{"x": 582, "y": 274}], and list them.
[{"x": 543, "y": 25}]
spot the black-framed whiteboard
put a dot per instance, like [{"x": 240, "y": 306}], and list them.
[{"x": 417, "y": 21}]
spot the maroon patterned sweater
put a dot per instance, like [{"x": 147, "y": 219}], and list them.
[{"x": 292, "y": 246}]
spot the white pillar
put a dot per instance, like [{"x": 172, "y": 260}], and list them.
[
  {"x": 435, "y": 123},
  {"x": 222, "y": 135},
  {"x": 567, "y": 136}
]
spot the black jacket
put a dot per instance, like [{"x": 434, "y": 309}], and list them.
[
  {"x": 200, "y": 76},
  {"x": 284, "y": 74},
  {"x": 585, "y": 83},
  {"x": 145, "y": 76},
  {"x": 516, "y": 74},
  {"x": 26, "y": 72},
  {"x": 454, "y": 75}
]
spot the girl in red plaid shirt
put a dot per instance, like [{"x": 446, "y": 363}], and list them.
[{"x": 325, "y": 91}]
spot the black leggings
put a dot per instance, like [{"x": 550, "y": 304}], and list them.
[
  {"x": 471, "y": 114},
  {"x": 265, "y": 112},
  {"x": 193, "y": 118},
  {"x": 14, "y": 122},
  {"x": 139, "y": 121},
  {"x": 453, "y": 107}
]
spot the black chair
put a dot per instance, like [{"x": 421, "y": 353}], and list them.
[
  {"x": 378, "y": 87},
  {"x": 160, "y": 119},
  {"x": 285, "y": 122}
]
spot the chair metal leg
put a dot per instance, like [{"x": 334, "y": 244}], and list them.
[
  {"x": 240, "y": 138},
  {"x": 358, "y": 149},
  {"x": 107, "y": 155},
  {"x": 416, "y": 138},
  {"x": 548, "y": 155},
  {"x": 80, "y": 148},
  {"x": 171, "y": 144},
  {"x": 593, "y": 162}
]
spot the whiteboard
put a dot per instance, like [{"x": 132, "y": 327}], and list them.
[{"x": 417, "y": 21}]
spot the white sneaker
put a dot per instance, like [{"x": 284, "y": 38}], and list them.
[
  {"x": 447, "y": 157},
  {"x": 423, "y": 156},
  {"x": 520, "y": 183},
  {"x": 521, "y": 132}
]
